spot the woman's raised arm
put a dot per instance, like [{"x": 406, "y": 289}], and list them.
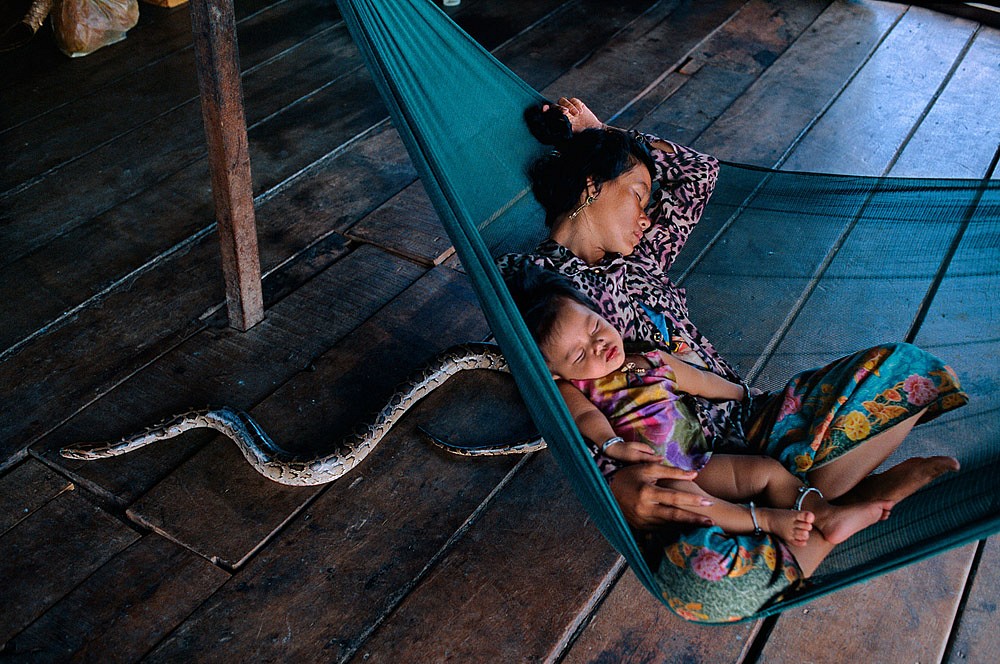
[{"x": 683, "y": 183}]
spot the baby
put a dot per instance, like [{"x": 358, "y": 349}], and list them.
[{"x": 631, "y": 404}]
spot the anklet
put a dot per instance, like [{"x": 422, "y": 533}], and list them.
[
  {"x": 753, "y": 517},
  {"x": 803, "y": 492}
]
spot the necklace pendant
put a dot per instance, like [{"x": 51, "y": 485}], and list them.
[{"x": 630, "y": 367}]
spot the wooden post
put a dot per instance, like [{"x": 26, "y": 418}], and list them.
[{"x": 214, "y": 26}]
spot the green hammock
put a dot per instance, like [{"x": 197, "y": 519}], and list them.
[{"x": 459, "y": 112}]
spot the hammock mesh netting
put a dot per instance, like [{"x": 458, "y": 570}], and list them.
[{"x": 459, "y": 112}]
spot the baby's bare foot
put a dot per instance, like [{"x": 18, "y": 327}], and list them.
[
  {"x": 790, "y": 525},
  {"x": 901, "y": 481},
  {"x": 841, "y": 522}
]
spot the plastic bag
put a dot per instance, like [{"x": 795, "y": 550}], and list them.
[{"x": 83, "y": 26}]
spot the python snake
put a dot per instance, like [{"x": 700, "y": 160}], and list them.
[{"x": 276, "y": 464}]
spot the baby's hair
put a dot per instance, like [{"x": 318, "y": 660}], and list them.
[{"x": 539, "y": 295}]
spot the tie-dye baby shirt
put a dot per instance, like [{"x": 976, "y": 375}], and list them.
[{"x": 646, "y": 407}]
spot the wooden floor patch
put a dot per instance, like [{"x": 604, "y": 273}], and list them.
[
  {"x": 124, "y": 608},
  {"x": 45, "y": 556},
  {"x": 113, "y": 317}
]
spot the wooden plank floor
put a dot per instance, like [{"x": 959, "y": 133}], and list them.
[{"x": 113, "y": 317}]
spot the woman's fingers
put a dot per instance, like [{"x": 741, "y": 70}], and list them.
[
  {"x": 646, "y": 505},
  {"x": 580, "y": 117}
]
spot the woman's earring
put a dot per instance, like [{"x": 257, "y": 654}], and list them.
[{"x": 590, "y": 199}]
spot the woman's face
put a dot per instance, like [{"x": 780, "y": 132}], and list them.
[
  {"x": 618, "y": 214},
  {"x": 583, "y": 345}
]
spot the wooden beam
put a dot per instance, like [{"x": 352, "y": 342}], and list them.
[{"x": 214, "y": 26}]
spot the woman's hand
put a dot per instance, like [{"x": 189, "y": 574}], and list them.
[
  {"x": 646, "y": 505},
  {"x": 580, "y": 117}
]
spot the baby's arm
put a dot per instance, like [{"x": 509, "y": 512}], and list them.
[
  {"x": 595, "y": 427},
  {"x": 704, "y": 383}
]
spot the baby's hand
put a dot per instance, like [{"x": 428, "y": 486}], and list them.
[{"x": 633, "y": 453}]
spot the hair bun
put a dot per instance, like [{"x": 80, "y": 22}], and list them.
[{"x": 549, "y": 127}]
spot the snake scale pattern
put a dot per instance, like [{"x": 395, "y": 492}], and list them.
[{"x": 278, "y": 465}]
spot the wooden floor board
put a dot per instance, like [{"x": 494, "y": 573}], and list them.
[
  {"x": 594, "y": 22},
  {"x": 632, "y": 624},
  {"x": 727, "y": 63},
  {"x": 346, "y": 562},
  {"x": 341, "y": 191},
  {"x": 511, "y": 565},
  {"x": 766, "y": 121},
  {"x": 44, "y": 80},
  {"x": 113, "y": 317},
  {"x": 45, "y": 556},
  {"x": 149, "y": 94},
  {"x": 25, "y": 489},
  {"x": 937, "y": 151},
  {"x": 906, "y": 626},
  {"x": 975, "y": 639},
  {"x": 310, "y": 122},
  {"x": 407, "y": 225},
  {"x": 650, "y": 46},
  {"x": 75, "y": 375},
  {"x": 124, "y": 608},
  {"x": 861, "y": 124}
]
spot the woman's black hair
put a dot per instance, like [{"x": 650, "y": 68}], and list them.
[
  {"x": 559, "y": 179},
  {"x": 539, "y": 295}
]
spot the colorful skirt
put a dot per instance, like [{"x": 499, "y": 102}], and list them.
[{"x": 707, "y": 575}]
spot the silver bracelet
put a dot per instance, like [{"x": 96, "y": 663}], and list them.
[
  {"x": 803, "y": 492},
  {"x": 611, "y": 441},
  {"x": 753, "y": 517}
]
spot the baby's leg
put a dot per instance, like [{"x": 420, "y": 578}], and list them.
[
  {"x": 789, "y": 525},
  {"x": 749, "y": 477},
  {"x": 746, "y": 477}
]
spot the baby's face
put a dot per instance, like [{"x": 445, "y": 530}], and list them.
[{"x": 583, "y": 345}]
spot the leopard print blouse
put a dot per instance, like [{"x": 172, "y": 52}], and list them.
[{"x": 621, "y": 285}]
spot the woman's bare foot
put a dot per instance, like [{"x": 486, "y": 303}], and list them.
[
  {"x": 838, "y": 523},
  {"x": 901, "y": 481},
  {"x": 790, "y": 525}
]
